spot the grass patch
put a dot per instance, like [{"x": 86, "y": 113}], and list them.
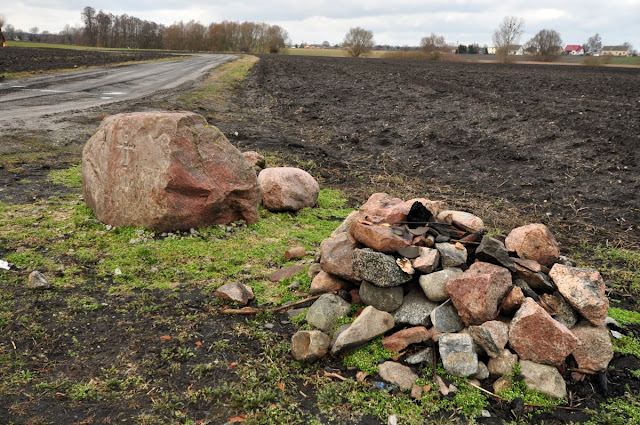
[
  {"x": 69, "y": 177},
  {"x": 627, "y": 345},
  {"x": 624, "y": 317},
  {"x": 368, "y": 357},
  {"x": 620, "y": 411},
  {"x": 620, "y": 267}
]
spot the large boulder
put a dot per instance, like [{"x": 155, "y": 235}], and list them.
[
  {"x": 287, "y": 189},
  {"x": 534, "y": 242},
  {"x": 166, "y": 171}
]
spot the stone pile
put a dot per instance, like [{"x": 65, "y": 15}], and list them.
[{"x": 434, "y": 282}]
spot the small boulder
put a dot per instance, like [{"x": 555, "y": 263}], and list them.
[
  {"x": 384, "y": 299},
  {"x": 427, "y": 260},
  {"x": 325, "y": 282},
  {"x": 425, "y": 355},
  {"x": 38, "y": 281},
  {"x": 595, "y": 350},
  {"x": 309, "y": 346},
  {"x": 287, "y": 189},
  {"x": 543, "y": 378},
  {"x": 458, "y": 354},
  {"x": 397, "y": 374},
  {"x": 326, "y": 311},
  {"x": 492, "y": 336},
  {"x": 415, "y": 309},
  {"x": 337, "y": 256},
  {"x": 451, "y": 256},
  {"x": 502, "y": 384},
  {"x": 493, "y": 251},
  {"x": 466, "y": 219},
  {"x": 502, "y": 364},
  {"x": 584, "y": 289},
  {"x": 379, "y": 238},
  {"x": 378, "y": 268},
  {"x": 235, "y": 292},
  {"x": 370, "y": 324},
  {"x": 383, "y": 207},
  {"x": 534, "y": 242},
  {"x": 445, "y": 318},
  {"x": 536, "y": 336},
  {"x": 434, "y": 284},
  {"x": 402, "y": 339}
]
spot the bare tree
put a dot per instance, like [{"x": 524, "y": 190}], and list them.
[
  {"x": 3, "y": 20},
  {"x": 548, "y": 45},
  {"x": 434, "y": 45},
  {"x": 507, "y": 35},
  {"x": 358, "y": 41},
  {"x": 593, "y": 44}
]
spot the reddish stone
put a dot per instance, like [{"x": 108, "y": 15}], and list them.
[
  {"x": 477, "y": 292},
  {"x": 378, "y": 238},
  {"x": 287, "y": 188},
  {"x": 236, "y": 292},
  {"x": 513, "y": 300},
  {"x": 336, "y": 256},
  {"x": 596, "y": 350},
  {"x": 325, "y": 282},
  {"x": 402, "y": 339},
  {"x": 286, "y": 273},
  {"x": 534, "y": 242},
  {"x": 536, "y": 336},
  {"x": 467, "y": 219},
  {"x": 584, "y": 290},
  {"x": 382, "y": 207}
]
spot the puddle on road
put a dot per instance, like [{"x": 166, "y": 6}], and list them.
[{"x": 113, "y": 93}]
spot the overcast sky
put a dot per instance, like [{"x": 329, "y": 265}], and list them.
[{"x": 394, "y": 22}]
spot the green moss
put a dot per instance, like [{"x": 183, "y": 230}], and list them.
[
  {"x": 70, "y": 177},
  {"x": 627, "y": 345},
  {"x": 619, "y": 411},
  {"x": 368, "y": 357},
  {"x": 624, "y": 317}
]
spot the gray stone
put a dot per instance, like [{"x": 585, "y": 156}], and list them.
[
  {"x": 561, "y": 310},
  {"x": 445, "y": 318},
  {"x": 370, "y": 324},
  {"x": 543, "y": 378},
  {"x": 482, "y": 372},
  {"x": 433, "y": 284},
  {"x": 491, "y": 250},
  {"x": 492, "y": 336},
  {"x": 236, "y": 292},
  {"x": 502, "y": 364},
  {"x": 422, "y": 356},
  {"x": 535, "y": 280},
  {"x": 415, "y": 309},
  {"x": 427, "y": 261},
  {"x": 458, "y": 354},
  {"x": 38, "y": 281},
  {"x": 378, "y": 268},
  {"x": 397, "y": 374},
  {"x": 450, "y": 256},
  {"x": 384, "y": 299},
  {"x": 309, "y": 346},
  {"x": 595, "y": 350},
  {"x": 326, "y": 311}
]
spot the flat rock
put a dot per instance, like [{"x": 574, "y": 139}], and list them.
[
  {"x": 534, "y": 335},
  {"x": 584, "y": 289},
  {"x": 402, "y": 339},
  {"x": 370, "y": 324},
  {"x": 502, "y": 364},
  {"x": 595, "y": 350},
  {"x": 384, "y": 299},
  {"x": 450, "y": 256},
  {"x": 379, "y": 238},
  {"x": 534, "y": 242},
  {"x": 458, "y": 354},
  {"x": 287, "y": 189},
  {"x": 434, "y": 284},
  {"x": 445, "y": 318},
  {"x": 493, "y": 251},
  {"x": 397, "y": 374},
  {"x": 415, "y": 309},
  {"x": 236, "y": 292},
  {"x": 492, "y": 336},
  {"x": 286, "y": 273},
  {"x": 177, "y": 170},
  {"x": 560, "y": 309},
  {"x": 378, "y": 268},
  {"x": 326, "y": 311},
  {"x": 326, "y": 282},
  {"x": 536, "y": 280},
  {"x": 38, "y": 281},
  {"x": 469, "y": 220},
  {"x": 423, "y": 356},
  {"x": 427, "y": 261},
  {"x": 337, "y": 256},
  {"x": 478, "y": 292},
  {"x": 309, "y": 346},
  {"x": 543, "y": 378}
]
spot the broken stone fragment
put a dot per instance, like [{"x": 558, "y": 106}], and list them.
[
  {"x": 536, "y": 280},
  {"x": 326, "y": 282},
  {"x": 397, "y": 374},
  {"x": 492, "y": 336},
  {"x": 451, "y": 256},
  {"x": 287, "y": 189},
  {"x": 423, "y": 356},
  {"x": 326, "y": 311},
  {"x": 502, "y": 364},
  {"x": 534, "y": 242},
  {"x": 286, "y": 273},
  {"x": 402, "y": 339},
  {"x": 309, "y": 346},
  {"x": 384, "y": 299},
  {"x": 236, "y": 292},
  {"x": 466, "y": 219},
  {"x": 378, "y": 268},
  {"x": 458, "y": 354},
  {"x": 379, "y": 238},
  {"x": 543, "y": 378},
  {"x": 38, "y": 281},
  {"x": 493, "y": 251},
  {"x": 560, "y": 309},
  {"x": 370, "y": 324},
  {"x": 512, "y": 301},
  {"x": 595, "y": 350},
  {"x": 415, "y": 309},
  {"x": 427, "y": 260}
]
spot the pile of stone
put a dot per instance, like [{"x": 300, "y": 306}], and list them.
[{"x": 436, "y": 285}]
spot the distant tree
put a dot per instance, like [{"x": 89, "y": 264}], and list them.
[
  {"x": 275, "y": 38},
  {"x": 434, "y": 45},
  {"x": 472, "y": 49},
  {"x": 89, "y": 18},
  {"x": 593, "y": 44},
  {"x": 507, "y": 35},
  {"x": 358, "y": 41},
  {"x": 326, "y": 44},
  {"x": 34, "y": 31},
  {"x": 462, "y": 49},
  {"x": 3, "y": 20},
  {"x": 548, "y": 45}
]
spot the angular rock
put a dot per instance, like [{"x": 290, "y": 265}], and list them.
[
  {"x": 526, "y": 289},
  {"x": 384, "y": 299},
  {"x": 314, "y": 269},
  {"x": 427, "y": 261},
  {"x": 286, "y": 273},
  {"x": 482, "y": 372},
  {"x": 309, "y": 346},
  {"x": 512, "y": 301},
  {"x": 378, "y": 268},
  {"x": 560, "y": 309},
  {"x": 326, "y": 311},
  {"x": 38, "y": 281},
  {"x": 534, "y": 242},
  {"x": 466, "y": 219},
  {"x": 492, "y": 336},
  {"x": 502, "y": 384},
  {"x": 543, "y": 378},
  {"x": 370, "y": 324},
  {"x": 415, "y": 309},
  {"x": 493, "y": 251},
  {"x": 402, "y": 339},
  {"x": 416, "y": 392},
  {"x": 434, "y": 284},
  {"x": 450, "y": 256},
  {"x": 255, "y": 160},
  {"x": 536, "y": 280},
  {"x": 502, "y": 364},
  {"x": 337, "y": 256},
  {"x": 397, "y": 374},
  {"x": 346, "y": 224},
  {"x": 325, "y": 282},
  {"x": 445, "y": 318},
  {"x": 478, "y": 292},
  {"x": 177, "y": 170},
  {"x": 382, "y": 207},
  {"x": 584, "y": 290},
  {"x": 287, "y": 189},
  {"x": 536, "y": 336},
  {"x": 595, "y": 350},
  {"x": 379, "y": 238},
  {"x": 458, "y": 354},
  {"x": 423, "y": 356},
  {"x": 236, "y": 292}
]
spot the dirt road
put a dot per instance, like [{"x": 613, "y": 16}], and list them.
[{"x": 25, "y": 103}]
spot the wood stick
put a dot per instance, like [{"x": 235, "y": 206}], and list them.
[
  {"x": 249, "y": 310},
  {"x": 526, "y": 404}
]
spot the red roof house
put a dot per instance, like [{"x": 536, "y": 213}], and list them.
[{"x": 574, "y": 49}]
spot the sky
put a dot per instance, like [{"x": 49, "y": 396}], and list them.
[{"x": 393, "y": 22}]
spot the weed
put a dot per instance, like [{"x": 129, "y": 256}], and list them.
[
  {"x": 83, "y": 391},
  {"x": 624, "y": 317},
  {"x": 620, "y": 411},
  {"x": 368, "y": 357},
  {"x": 627, "y": 345}
]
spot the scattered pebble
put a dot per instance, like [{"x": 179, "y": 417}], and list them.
[{"x": 269, "y": 325}]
